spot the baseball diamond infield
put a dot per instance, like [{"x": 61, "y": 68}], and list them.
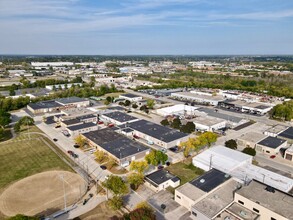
[{"x": 42, "y": 193}]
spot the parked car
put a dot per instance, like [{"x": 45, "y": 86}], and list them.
[
  {"x": 70, "y": 152},
  {"x": 76, "y": 146},
  {"x": 160, "y": 167},
  {"x": 58, "y": 126},
  {"x": 135, "y": 136},
  {"x": 103, "y": 167},
  {"x": 174, "y": 149},
  {"x": 75, "y": 155},
  {"x": 55, "y": 139},
  {"x": 100, "y": 122},
  {"x": 272, "y": 156},
  {"x": 110, "y": 125}
]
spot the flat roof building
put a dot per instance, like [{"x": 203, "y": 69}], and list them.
[
  {"x": 130, "y": 97},
  {"x": 122, "y": 149},
  {"x": 287, "y": 135},
  {"x": 275, "y": 130},
  {"x": 118, "y": 118},
  {"x": 266, "y": 201},
  {"x": 161, "y": 179},
  {"x": 82, "y": 128},
  {"x": 271, "y": 145},
  {"x": 157, "y": 134},
  {"x": 250, "y": 139},
  {"x": 208, "y": 123},
  {"x": 202, "y": 99}
]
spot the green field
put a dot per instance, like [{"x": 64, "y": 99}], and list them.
[
  {"x": 22, "y": 157},
  {"x": 185, "y": 171}
]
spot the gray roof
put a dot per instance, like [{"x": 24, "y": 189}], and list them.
[
  {"x": 71, "y": 121},
  {"x": 210, "y": 180},
  {"x": 70, "y": 100},
  {"x": 86, "y": 116},
  {"x": 271, "y": 142},
  {"x": 159, "y": 132},
  {"x": 44, "y": 104},
  {"x": 288, "y": 133},
  {"x": 159, "y": 177},
  {"x": 81, "y": 126},
  {"x": 116, "y": 144},
  {"x": 212, "y": 112},
  {"x": 277, "y": 201},
  {"x": 120, "y": 116},
  {"x": 130, "y": 95}
]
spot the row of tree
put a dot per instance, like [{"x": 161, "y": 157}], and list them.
[
  {"x": 195, "y": 144},
  {"x": 189, "y": 127}
]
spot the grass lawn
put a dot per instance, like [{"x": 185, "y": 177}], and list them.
[
  {"x": 102, "y": 211},
  {"x": 185, "y": 171},
  {"x": 22, "y": 157}
]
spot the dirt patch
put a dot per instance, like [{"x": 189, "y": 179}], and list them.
[{"x": 42, "y": 193}]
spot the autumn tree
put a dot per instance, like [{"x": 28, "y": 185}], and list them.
[
  {"x": 100, "y": 155},
  {"x": 209, "y": 138},
  {"x": 138, "y": 166},
  {"x": 116, "y": 185},
  {"x": 156, "y": 157},
  {"x": 135, "y": 180},
  {"x": 80, "y": 140},
  {"x": 116, "y": 202},
  {"x": 150, "y": 103}
]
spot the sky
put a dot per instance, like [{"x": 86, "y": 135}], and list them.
[{"x": 146, "y": 27}]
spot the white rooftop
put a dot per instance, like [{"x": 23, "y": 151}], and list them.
[
  {"x": 221, "y": 158},
  {"x": 239, "y": 165}
]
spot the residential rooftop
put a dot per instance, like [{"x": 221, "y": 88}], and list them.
[
  {"x": 276, "y": 201},
  {"x": 272, "y": 142},
  {"x": 159, "y": 132},
  {"x": 120, "y": 116},
  {"x": 159, "y": 177}
]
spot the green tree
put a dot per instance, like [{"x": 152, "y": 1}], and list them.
[
  {"x": 26, "y": 120},
  {"x": 135, "y": 180},
  {"x": 250, "y": 151},
  {"x": 165, "y": 122},
  {"x": 11, "y": 92},
  {"x": 150, "y": 103},
  {"x": 17, "y": 127},
  {"x": 231, "y": 144},
  {"x": 109, "y": 99},
  {"x": 189, "y": 127},
  {"x": 138, "y": 166},
  {"x": 127, "y": 103},
  {"x": 116, "y": 185},
  {"x": 134, "y": 105},
  {"x": 116, "y": 202},
  {"x": 4, "y": 118},
  {"x": 176, "y": 123},
  {"x": 2, "y": 133}
]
